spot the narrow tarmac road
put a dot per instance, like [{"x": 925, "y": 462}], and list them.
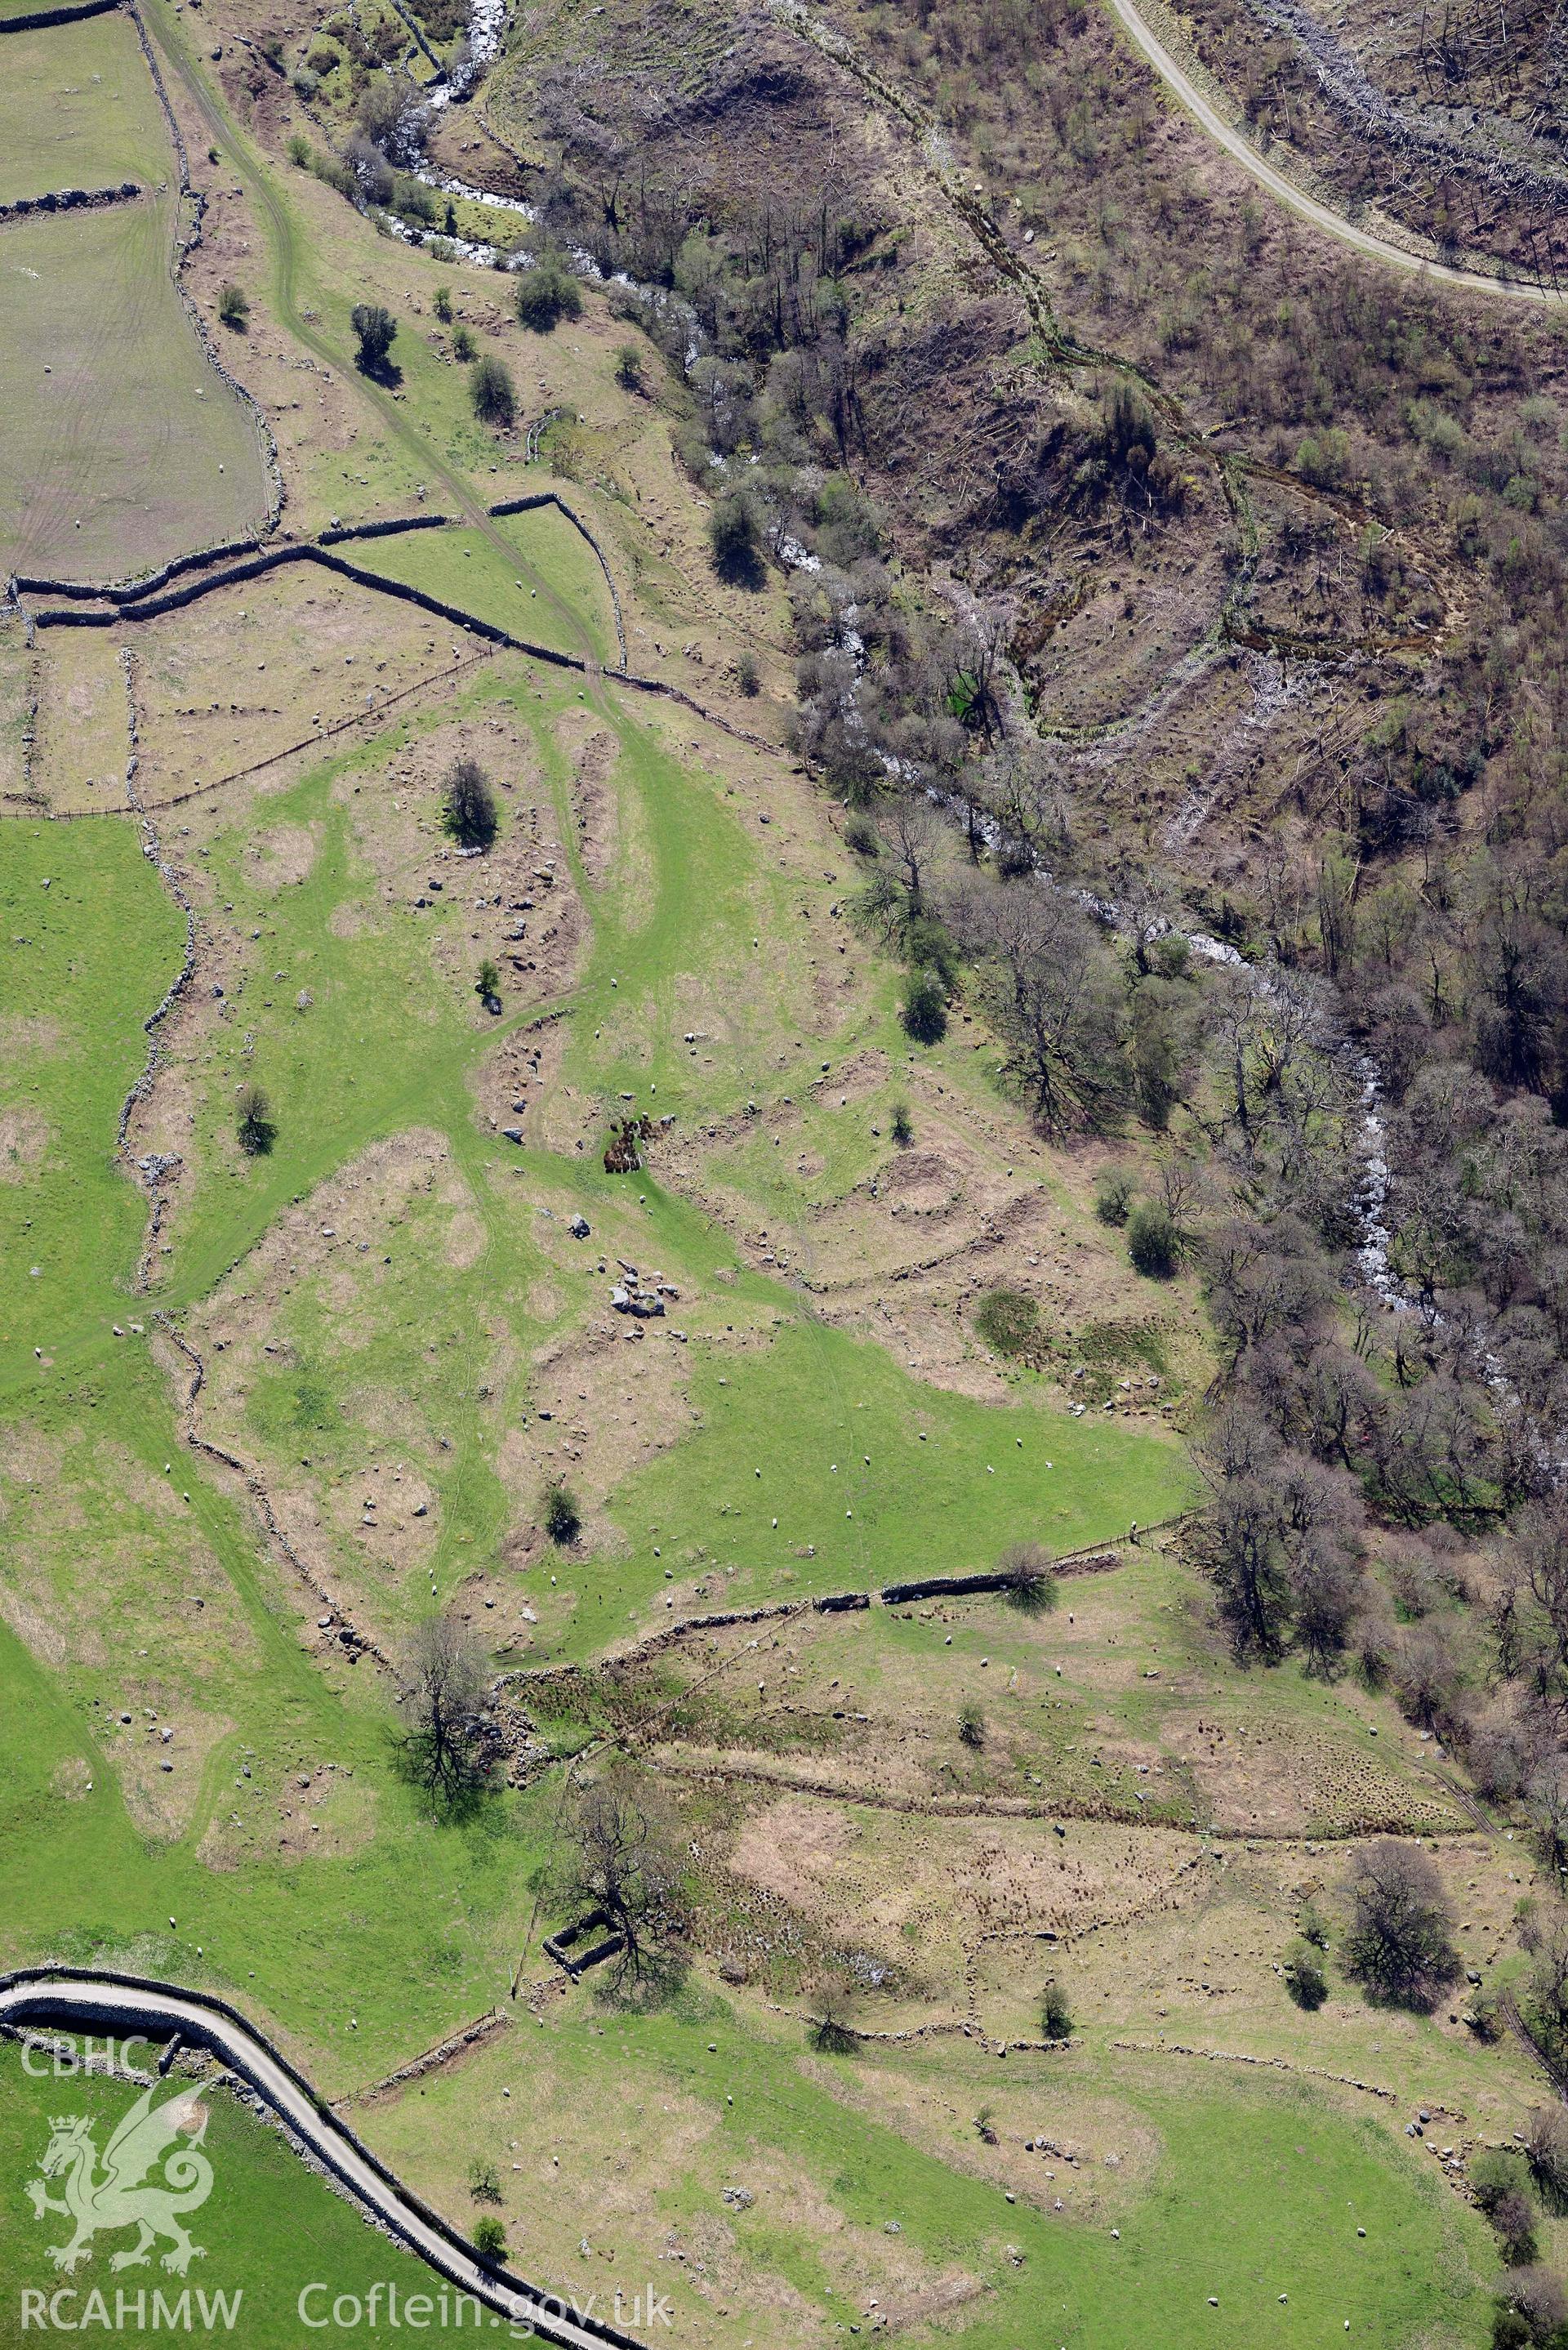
[{"x": 77, "y": 1999}]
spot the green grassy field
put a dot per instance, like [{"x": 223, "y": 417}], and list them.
[
  {"x": 392, "y": 1036},
  {"x": 464, "y": 569},
  {"x": 678, "y": 950},
  {"x": 844, "y": 1153},
  {"x": 871, "y": 1477},
  {"x": 78, "y": 109},
  {"x": 82, "y": 959},
  {"x": 1251, "y": 2192},
  {"x": 89, "y": 942},
  {"x": 384, "y": 1045},
  {"x": 387, "y": 1045},
  {"x": 120, "y": 446}
]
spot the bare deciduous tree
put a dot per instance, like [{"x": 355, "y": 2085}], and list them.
[
  {"x": 1028, "y": 801},
  {"x": 1545, "y": 1934},
  {"x": 1546, "y": 2146},
  {"x": 1281, "y": 1540},
  {"x": 911, "y": 832},
  {"x": 1546, "y": 1799},
  {"x": 834, "y": 1996},
  {"x": 1242, "y": 1545},
  {"x": 1050, "y": 987},
  {"x": 1399, "y": 1944},
  {"x": 622, "y": 1864},
  {"x": 450, "y": 1750}
]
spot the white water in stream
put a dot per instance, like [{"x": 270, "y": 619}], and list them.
[
  {"x": 1369, "y": 1200},
  {"x": 486, "y": 24}
]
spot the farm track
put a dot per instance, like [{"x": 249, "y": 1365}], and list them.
[
  {"x": 1184, "y": 87},
  {"x": 1432, "y": 130},
  {"x": 1462, "y": 1796}
]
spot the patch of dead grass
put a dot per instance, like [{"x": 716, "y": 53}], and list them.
[
  {"x": 161, "y": 1781},
  {"x": 1055, "y": 2141},
  {"x": 24, "y": 1138},
  {"x": 322, "y": 1812}
]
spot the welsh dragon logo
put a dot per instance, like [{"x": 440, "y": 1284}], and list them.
[{"x": 120, "y": 2195}]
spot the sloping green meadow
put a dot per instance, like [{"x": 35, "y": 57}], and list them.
[
  {"x": 1237, "y": 2223},
  {"x": 885, "y": 1478},
  {"x": 78, "y": 109},
  {"x": 388, "y": 1045},
  {"x": 119, "y": 446}
]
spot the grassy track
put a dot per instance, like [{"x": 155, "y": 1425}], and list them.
[
  {"x": 1197, "y": 2228},
  {"x": 278, "y": 224},
  {"x": 1186, "y": 88}
]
